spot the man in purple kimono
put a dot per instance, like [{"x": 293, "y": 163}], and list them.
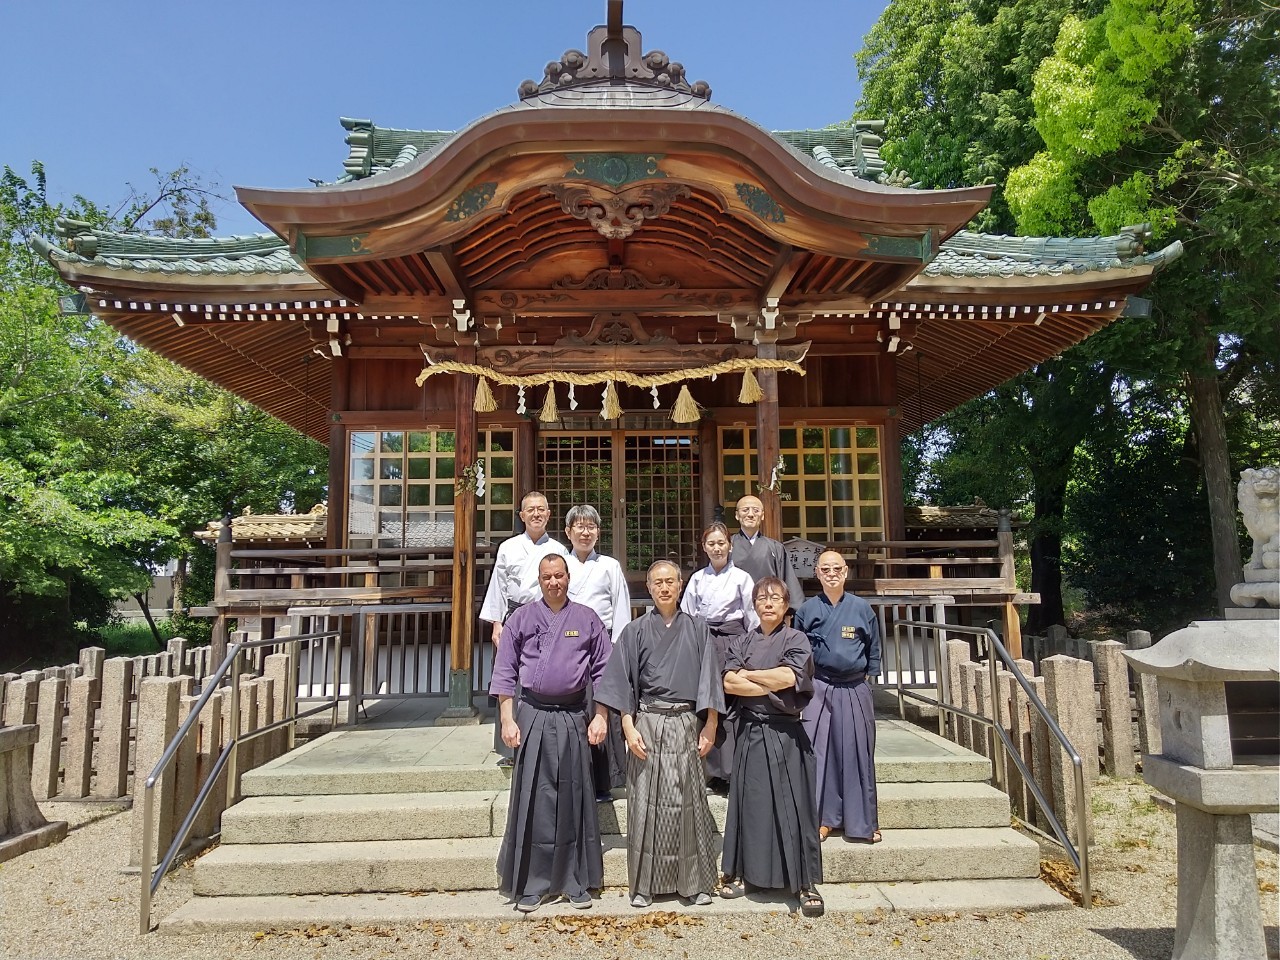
[{"x": 554, "y": 648}]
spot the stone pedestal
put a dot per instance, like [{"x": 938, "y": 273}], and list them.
[
  {"x": 22, "y": 825},
  {"x": 1218, "y": 912},
  {"x": 1215, "y": 790}
]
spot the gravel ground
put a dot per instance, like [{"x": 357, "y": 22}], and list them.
[{"x": 73, "y": 902}]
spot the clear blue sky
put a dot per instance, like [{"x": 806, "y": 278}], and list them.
[{"x": 249, "y": 92}]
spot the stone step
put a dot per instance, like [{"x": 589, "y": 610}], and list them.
[
  {"x": 250, "y": 914},
  {"x": 276, "y": 869},
  {"x": 450, "y": 759},
  {"x": 483, "y": 813}
]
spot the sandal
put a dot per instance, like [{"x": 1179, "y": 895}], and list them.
[
  {"x": 811, "y": 903},
  {"x": 731, "y": 888},
  {"x": 824, "y": 832},
  {"x": 874, "y": 838}
]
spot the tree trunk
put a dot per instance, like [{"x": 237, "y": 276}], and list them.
[
  {"x": 1215, "y": 463},
  {"x": 146, "y": 612},
  {"x": 1046, "y": 552}
]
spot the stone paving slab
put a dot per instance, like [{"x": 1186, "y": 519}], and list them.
[{"x": 251, "y": 914}]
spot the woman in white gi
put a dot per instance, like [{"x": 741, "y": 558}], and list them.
[{"x": 720, "y": 594}]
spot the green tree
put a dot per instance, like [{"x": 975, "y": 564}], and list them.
[
  {"x": 1167, "y": 111},
  {"x": 110, "y": 457},
  {"x": 953, "y": 82}
]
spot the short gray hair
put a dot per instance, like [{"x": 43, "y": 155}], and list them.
[{"x": 581, "y": 512}]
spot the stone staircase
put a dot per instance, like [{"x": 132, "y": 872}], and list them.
[{"x": 364, "y": 812}]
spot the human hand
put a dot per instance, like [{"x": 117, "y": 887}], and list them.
[
  {"x": 635, "y": 744},
  {"x": 596, "y": 731},
  {"x": 511, "y": 733}
]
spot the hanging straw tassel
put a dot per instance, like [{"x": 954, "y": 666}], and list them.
[
  {"x": 549, "y": 412},
  {"x": 612, "y": 409},
  {"x": 484, "y": 397},
  {"x": 685, "y": 410},
  {"x": 750, "y": 391}
]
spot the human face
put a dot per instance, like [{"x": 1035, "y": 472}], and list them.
[
  {"x": 583, "y": 535},
  {"x": 832, "y": 571},
  {"x": 717, "y": 549},
  {"x": 535, "y": 514},
  {"x": 664, "y": 586},
  {"x": 771, "y": 607},
  {"x": 553, "y": 578},
  {"x": 750, "y": 514}
]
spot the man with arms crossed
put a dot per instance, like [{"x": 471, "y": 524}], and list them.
[
  {"x": 554, "y": 648},
  {"x": 664, "y": 679},
  {"x": 515, "y": 581}
]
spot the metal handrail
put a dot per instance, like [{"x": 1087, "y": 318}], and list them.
[
  {"x": 152, "y": 875},
  {"x": 1001, "y": 743}
]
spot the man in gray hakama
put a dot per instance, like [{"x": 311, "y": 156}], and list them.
[
  {"x": 771, "y": 831},
  {"x": 762, "y": 556},
  {"x": 554, "y": 648},
  {"x": 840, "y": 719},
  {"x": 664, "y": 680}
]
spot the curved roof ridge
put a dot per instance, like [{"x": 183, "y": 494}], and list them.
[{"x": 971, "y": 254}]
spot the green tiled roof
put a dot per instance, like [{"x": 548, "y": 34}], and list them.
[
  {"x": 969, "y": 254},
  {"x": 256, "y": 254},
  {"x": 852, "y": 148}
]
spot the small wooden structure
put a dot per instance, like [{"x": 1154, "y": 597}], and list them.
[{"x": 611, "y": 249}]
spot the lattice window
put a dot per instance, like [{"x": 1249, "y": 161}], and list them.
[
  {"x": 661, "y": 494},
  {"x": 577, "y": 468},
  {"x": 832, "y": 477},
  {"x": 400, "y": 487},
  {"x": 653, "y": 474}
]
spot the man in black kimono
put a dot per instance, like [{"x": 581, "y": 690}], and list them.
[
  {"x": 664, "y": 680},
  {"x": 761, "y": 556}
]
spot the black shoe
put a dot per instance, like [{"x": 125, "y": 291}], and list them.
[{"x": 506, "y": 761}]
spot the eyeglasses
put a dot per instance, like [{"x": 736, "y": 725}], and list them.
[
  {"x": 585, "y": 527},
  {"x": 832, "y": 569},
  {"x": 536, "y": 511},
  {"x": 775, "y": 597}
]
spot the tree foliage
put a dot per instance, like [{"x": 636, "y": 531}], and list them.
[
  {"x": 1167, "y": 112},
  {"x": 110, "y": 457},
  {"x": 1104, "y": 114}
]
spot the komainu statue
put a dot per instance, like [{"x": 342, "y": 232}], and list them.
[{"x": 1259, "y": 498}]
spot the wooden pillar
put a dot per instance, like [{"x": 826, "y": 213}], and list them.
[
  {"x": 464, "y": 545},
  {"x": 221, "y": 585},
  {"x": 709, "y": 470},
  {"x": 338, "y": 401},
  {"x": 1011, "y": 623},
  {"x": 895, "y": 524},
  {"x": 768, "y": 443},
  {"x": 526, "y": 466}
]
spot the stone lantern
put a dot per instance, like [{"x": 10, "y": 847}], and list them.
[{"x": 1219, "y": 685}]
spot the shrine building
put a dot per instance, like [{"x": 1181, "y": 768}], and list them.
[{"x": 616, "y": 291}]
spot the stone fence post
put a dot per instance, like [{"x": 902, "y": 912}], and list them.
[
  {"x": 1068, "y": 684},
  {"x": 1117, "y": 715},
  {"x": 1146, "y": 692},
  {"x": 113, "y": 735}
]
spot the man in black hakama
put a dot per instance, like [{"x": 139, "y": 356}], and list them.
[
  {"x": 664, "y": 680},
  {"x": 554, "y": 647},
  {"x": 771, "y": 831},
  {"x": 840, "y": 719}
]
